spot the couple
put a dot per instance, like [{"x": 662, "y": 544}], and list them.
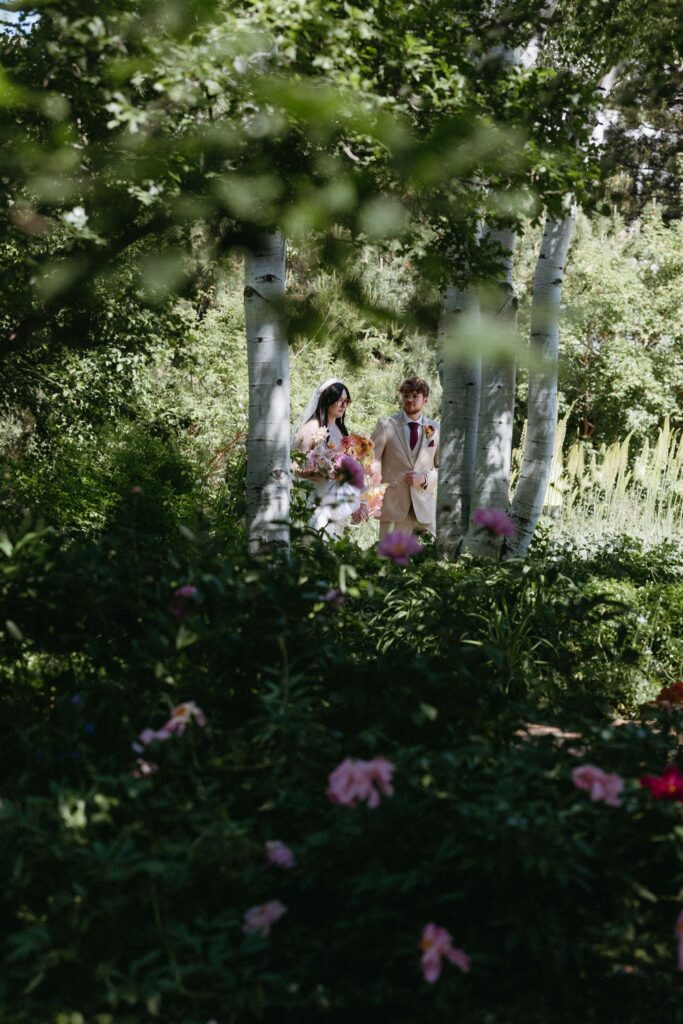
[{"x": 402, "y": 460}]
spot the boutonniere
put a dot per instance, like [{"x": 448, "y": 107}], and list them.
[{"x": 430, "y": 433}]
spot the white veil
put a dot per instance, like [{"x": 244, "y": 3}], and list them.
[{"x": 311, "y": 407}]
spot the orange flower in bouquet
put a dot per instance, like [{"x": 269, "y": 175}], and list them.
[{"x": 358, "y": 447}]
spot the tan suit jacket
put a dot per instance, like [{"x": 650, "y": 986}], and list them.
[{"x": 396, "y": 459}]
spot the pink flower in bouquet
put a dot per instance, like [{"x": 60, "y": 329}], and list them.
[
  {"x": 495, "y": 521},
  {"x": 182, "y": 715},
  {"x": 263, "y": 917},
  {"x": 667, "y": 786},
  {"x": 349, "y": 470},
  {"x": 373, "y": 499},
  {"x": 280, "y": 855},
  {"x": 399, "y": 547},
  {"x": 601, "y": 785},
  {"x": 354, "y": 780},
  {"x": 679, "y": 938},
  {"x": 375, "y": 474},
  {"x": 436, "y": 945},
  {"x": 362, "y": 513}
]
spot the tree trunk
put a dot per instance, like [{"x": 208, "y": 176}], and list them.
[
  {"x": 496, "y": 413},
  {"x": 542, "y": 418},
  {"x": 461, "y": 389},
  {"x": 268, "y": 456}
]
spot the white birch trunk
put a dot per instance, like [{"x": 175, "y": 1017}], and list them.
[
  {"x": 460, "y": 409},
  {"x": 527, "y": 504},
  {"x": 268, "y": 455},
  {"x": 493, "y": 456}
]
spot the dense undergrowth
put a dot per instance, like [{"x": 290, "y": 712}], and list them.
[{"x": 125, "y": 891}]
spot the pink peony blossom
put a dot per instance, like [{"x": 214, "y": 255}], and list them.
[
  {"x": 349, "y": 470},
  {"x": 354, "y": 780},
  {"x": 437, "y": 943},
  {"x": 679, "y": 938},
  {"x": 279, "y": 854},
  {"x": 495, "y": 521},
  {"x": 182, "y": 600},
  {"x": 667, "y": 786},
  {"x": 399, "y": 547},
  {"x": 601, "y": 785},
  {"x": 262, "y": 917}
]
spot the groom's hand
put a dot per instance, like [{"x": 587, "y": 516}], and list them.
[{"x": 416, "y": 479}]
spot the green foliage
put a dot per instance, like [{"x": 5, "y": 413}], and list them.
[
  {"x": 125, "y": 894},
  {"x": 620, "y": 366}
]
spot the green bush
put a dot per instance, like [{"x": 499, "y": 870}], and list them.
[{"x": 125, "y": 895}]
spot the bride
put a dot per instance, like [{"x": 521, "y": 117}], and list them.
[{"x": 324, "y": 419}]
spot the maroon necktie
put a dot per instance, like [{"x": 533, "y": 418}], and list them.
[{"x": 414, "y": 433}]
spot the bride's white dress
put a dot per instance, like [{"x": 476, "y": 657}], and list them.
[{"x": 334, "y": 502}]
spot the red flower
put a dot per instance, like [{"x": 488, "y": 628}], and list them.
[
  {"x": 670, "y": 696},
  {"x": 667, "y": 786}
]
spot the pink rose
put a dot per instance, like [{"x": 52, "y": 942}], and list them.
[
  {"x": 279, "y": 855},
  {"x": 437, "y": 944},
  {"x": 399, "y": 547},
  {"x": 601, "y": 785},
  {"x": 495, "y": 521},
  {"x": 355, "y": 780},
  {"x": 263, "y": 917}
]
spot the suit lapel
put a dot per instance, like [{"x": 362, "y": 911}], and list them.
[
  {"x": 401, "y": 434},
  {"x": 423, "y": 438}
]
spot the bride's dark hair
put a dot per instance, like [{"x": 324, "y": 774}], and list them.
[{"x": 327, "y": 398}]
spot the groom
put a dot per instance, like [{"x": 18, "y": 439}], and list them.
[{"x": 407, "y": 448}]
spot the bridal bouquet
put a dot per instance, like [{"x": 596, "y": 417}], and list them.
[{"x": 326, "y": 460}]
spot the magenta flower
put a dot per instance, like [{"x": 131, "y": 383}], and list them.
[
  {"x": 436, "y": 944},
  {"x": 495, "y": 521},
  {"x": 679, "y": 938},
  {"x": 602, "y": 786},
  {"x": 354, "y": 780},
  {"x": 667, "y": 786},
  {"x": 399, "y": 547},
  {"x": 263, "y": 917},
  {"x": 182, "y": 600},
  {"x": 350, "y": 471},
  {"x": 279, "y": 855}
]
